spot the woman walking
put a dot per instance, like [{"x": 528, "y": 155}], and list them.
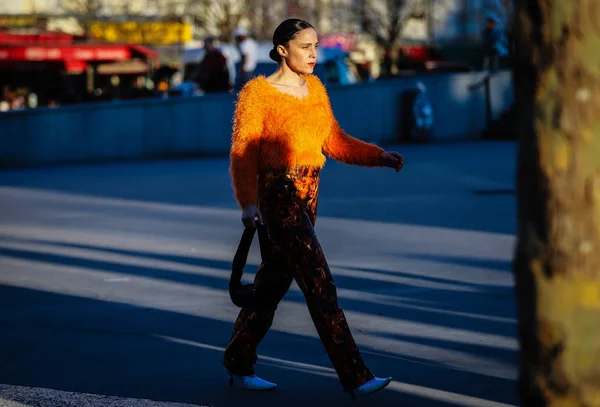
[{"x": 283, "y": 126}]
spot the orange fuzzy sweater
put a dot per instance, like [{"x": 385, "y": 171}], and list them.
[{"x": 273, "y": 130}]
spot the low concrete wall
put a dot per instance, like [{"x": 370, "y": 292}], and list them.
[{"x": 202, "y": 125}]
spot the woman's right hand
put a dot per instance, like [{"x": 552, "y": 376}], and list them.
[{"x": 249, "y": 214}]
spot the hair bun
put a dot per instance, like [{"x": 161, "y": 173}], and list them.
[{"x": 274, "y": 55}]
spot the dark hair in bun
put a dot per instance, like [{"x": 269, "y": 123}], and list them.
[{"x": 285, "y": 32}]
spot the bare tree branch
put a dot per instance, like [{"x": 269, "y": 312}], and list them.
[
  {"x": 85, "y": 10},
  {"x": 384, "y": 21},
  {"x": 218, "y": 17}
]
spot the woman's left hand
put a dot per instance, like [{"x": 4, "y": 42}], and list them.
[{"x": 391, "y": 159}]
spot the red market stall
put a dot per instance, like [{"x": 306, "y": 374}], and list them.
[{"x": 56, "y": 67}]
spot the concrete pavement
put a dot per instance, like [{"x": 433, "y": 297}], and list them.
[
  {"x": 20, "y": 396},
  {"x": 113, "y": 282}
]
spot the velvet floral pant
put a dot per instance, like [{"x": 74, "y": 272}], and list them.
[{"x": 288, "y": 204}]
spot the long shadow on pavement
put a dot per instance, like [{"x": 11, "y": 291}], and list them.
[
  {"x": 86, "y": 345},
  {"x": 493, "y": 320}
]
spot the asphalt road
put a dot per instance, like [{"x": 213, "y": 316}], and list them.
[{"x": 113, "y": 283}]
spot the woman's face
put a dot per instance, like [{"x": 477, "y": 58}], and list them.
[{"x": 301, "y": 51}]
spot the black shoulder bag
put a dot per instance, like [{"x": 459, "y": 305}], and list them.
[{"x": 253, "y": 295}]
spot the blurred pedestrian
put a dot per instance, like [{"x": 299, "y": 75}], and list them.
[
  {"x": 495, "y": 42},
  {"x": 282, "y": 126},
  {"x": 212, "y": 74},
  {"x": 248, "y": 53}
]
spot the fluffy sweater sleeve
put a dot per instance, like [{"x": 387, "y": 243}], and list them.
[
  {"x": 349, "y": 150},
  {"x": 344, "y": 148},
  {"x": 245, "y": 143}
]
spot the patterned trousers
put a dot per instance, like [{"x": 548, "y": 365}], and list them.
[{"x": 288, "y": 204}]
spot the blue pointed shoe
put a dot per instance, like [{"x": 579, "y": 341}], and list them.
[
  {"x": 253, "y": 382},
  {"x": 370, "y": 387}
]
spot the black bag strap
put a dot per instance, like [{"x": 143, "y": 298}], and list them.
[{"x": 241, "y": 254}]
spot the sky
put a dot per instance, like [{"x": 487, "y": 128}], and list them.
[{"x": 25, "y": 6}]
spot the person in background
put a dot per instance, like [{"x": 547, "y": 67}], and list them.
[
  {"x": 495, "y": 42},
  {"x": 15, "y": 102},
  {"x": 248, "y": 53},
  {"x": 213, "y": 75}
]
